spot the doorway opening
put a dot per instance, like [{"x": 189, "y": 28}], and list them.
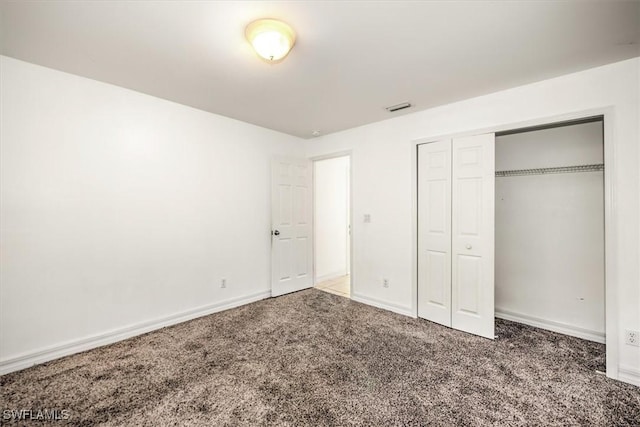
[{"x": 332, "y": 224}]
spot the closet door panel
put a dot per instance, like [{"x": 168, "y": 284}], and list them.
[
  {"x": 472, "y": 240},
  {"x": 434, "y": 232}
]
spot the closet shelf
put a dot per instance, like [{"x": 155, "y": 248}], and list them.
[{"x": 544, "y": 171}]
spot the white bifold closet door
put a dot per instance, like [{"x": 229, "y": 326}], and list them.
[
  {"x": 472, "y": 235},
  {"x": 434, "y": 231},
  {"x": 456, "y": 233}
]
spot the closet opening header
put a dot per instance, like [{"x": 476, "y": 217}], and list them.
[{"x": 592, "y": 119}]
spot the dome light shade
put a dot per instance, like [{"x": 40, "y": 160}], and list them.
[{"x": 271, "y": 39}]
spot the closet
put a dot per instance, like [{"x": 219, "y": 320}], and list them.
[
  {"x": 511, "y": 225},
  {"x": 549, "y": 227}
]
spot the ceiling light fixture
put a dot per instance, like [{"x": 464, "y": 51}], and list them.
[{"x": 271, "y": 39}]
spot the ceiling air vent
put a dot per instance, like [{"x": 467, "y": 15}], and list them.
[{"x": 397, "y": 107}]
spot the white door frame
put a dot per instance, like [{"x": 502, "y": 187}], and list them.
[
  {"x": 610, "y": 222},
  {"x": 347, "y": 153}
]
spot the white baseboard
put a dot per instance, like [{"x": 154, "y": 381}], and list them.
[
  {"x": 29, "y": 359},
  {"x": 629, "y": 375},
  {"x": 551, "y": 325},
  {"x": 330, "y": 276},
  {"x": 382, "y": 304}
]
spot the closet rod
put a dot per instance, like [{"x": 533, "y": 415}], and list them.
[{"x": 544, "y": 171}]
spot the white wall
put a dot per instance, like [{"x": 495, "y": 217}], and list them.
[
  {"x": 549, "y": 247},
  {"x": 119, "y": 209},
  {"x": 383, "y": 160},
  {"x": 331, "y": 217}
]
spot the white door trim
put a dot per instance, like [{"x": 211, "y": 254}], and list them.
[
  {"x": 611, "y": 223},
  {"x": 346, "y": 153}
]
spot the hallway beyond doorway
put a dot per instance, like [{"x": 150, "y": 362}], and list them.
[{"x": 339, "y": 286}]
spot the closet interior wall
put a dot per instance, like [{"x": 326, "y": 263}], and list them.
[{"x": 550, "y": 229}]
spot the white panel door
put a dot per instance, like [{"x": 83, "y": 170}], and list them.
[
  {"x": 291, "y": 232},
  {"x": 472, "y": 239},
  {"x": 434, "y": 232}
]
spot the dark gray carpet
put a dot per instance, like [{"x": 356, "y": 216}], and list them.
[{"x": 313, "y": 358}]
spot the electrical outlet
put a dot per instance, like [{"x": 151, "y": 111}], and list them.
[
  {"x": 632, "y": 338},
  {"x": 367, "y": 218},
  {"x": 223, "y": 283},
  {"x": 385, "y": 283}
]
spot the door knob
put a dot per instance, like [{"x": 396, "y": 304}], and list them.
[
  {"x": 276, "y": 233},
  {"x": 468, "y": 246}
]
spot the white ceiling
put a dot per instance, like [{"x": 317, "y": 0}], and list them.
[{"x": 351, "y": 59}]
